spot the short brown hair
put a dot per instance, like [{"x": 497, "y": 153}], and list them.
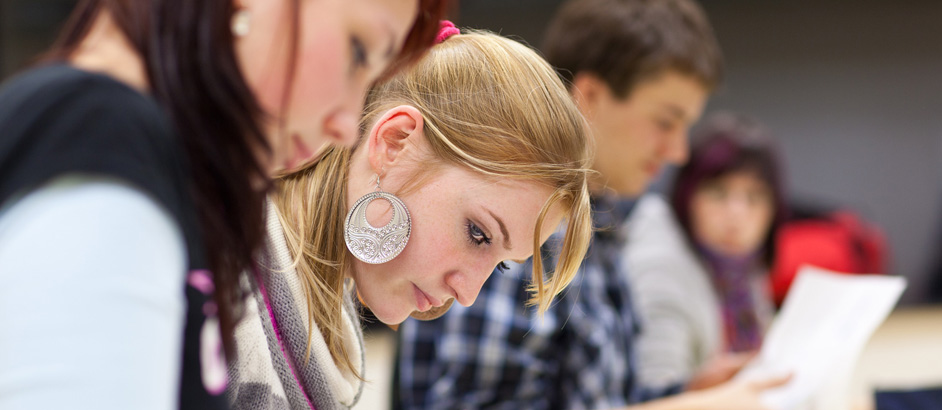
[{"x": 626, "y": 41}]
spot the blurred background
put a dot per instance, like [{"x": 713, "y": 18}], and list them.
[{"x": 852, "y": 89}]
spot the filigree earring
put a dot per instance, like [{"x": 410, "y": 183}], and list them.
[{"x": 376, "y": 245}]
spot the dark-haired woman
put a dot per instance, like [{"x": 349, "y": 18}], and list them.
[
  {"x": 700, "y": 264},
  {"x": 133, "y": 168}
]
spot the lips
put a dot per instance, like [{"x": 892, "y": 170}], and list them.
[
  {"x": 424, "y": 301},
  {"x": 301, "y": 152},
  {"x": 433, "y": 313}
]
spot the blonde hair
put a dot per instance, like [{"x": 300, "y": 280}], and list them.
[{"x": 490, "y": 104}]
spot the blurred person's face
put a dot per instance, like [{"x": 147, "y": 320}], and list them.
[
  {"x": 342, "y": 47},
  {"x": 464, "y": 223},
  {"x": 636, "y": 136},
  {"x": 732, "y": 214}
]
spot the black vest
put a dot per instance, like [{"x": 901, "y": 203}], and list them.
[{"x": 58, "y": 120}]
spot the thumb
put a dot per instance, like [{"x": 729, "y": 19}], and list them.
[
  {"x": 741, "y": 359},
  {"x": 770, "y": 382}
]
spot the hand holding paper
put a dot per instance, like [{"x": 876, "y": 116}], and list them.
[{"x": 818, "y": 335}]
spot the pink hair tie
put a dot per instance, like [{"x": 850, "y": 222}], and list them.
[{"x": 446, "y": 29}]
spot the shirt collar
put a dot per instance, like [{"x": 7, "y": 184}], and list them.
[{"x": 610, "y": 211}]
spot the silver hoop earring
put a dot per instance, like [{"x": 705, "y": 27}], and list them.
[
  {"x": 377, "y": 245},
  {"x": 241, "y": 22}
]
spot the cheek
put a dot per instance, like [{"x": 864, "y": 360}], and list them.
[
  {"x": 436, "y": 225},
  {"x": 321, "y": 79},
  {"x": 428, "y": 254},
  {"x": 704, "y": 220},
  {"x": 436, "y": 247},
  {"x": 641, "y": 138},
  {"x": 760, "y": 224}
]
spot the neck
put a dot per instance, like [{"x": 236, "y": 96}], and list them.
[{"x": 105, "y": 49}]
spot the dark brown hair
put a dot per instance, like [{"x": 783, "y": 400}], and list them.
[
  {"x": 724, "y": 144},
  {"x": 421, "y": 36},
  {"x": 624, "y": 42},
  {"x": 186, "y": 48}
]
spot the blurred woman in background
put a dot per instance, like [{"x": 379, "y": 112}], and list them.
[{"x": 700, "y": 265}]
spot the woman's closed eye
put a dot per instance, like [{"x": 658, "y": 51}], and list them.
[
  {"x": 477, "y": 236},
  {"x": 502, "y": 267},
  {"x": 358, "y": 53}
]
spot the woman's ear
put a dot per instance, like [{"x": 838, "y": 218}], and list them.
[{"x": 392, "y": 134}]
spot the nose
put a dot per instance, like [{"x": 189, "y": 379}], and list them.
[
  {"x": 342, "y": 126},
  {"x": 737, "y": 205},
  {"x": 467, "y": 285}
]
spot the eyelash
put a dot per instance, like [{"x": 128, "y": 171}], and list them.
[
  {"x": 358, "y": 52},
  {"x": 473, "y": 233},
  {"x": 476, "y": 235}
]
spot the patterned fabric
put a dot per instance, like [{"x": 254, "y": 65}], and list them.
[
  {"x": 732, "y": 279},
  {"x": 270, "y": 370},
  {"x": 498, "y": 354},
  {"x": 919, "y": 399}
]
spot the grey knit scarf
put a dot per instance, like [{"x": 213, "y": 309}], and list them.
[{"x": 269, "y": 370}]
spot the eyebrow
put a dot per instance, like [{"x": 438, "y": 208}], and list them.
[{"x": 503, "y": 230}]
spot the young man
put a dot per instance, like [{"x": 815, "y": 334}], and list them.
[{"x": 641, "y": 71}]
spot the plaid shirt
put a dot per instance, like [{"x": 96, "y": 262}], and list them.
[{"x": 498, "y": 354}]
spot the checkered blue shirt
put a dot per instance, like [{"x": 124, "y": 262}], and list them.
[{"x": 497, "y": 354}]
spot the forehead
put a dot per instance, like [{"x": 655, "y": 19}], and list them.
[
  {"x": 744, "y": 178},
  {"x": 395, "y": 16},
  {"x": 478, "y": 187},
  {"x": 515, "y": 201}
]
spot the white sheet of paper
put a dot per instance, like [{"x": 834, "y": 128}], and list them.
[{"x": 823, "y": 326}]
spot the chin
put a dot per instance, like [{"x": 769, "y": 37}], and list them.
[
  {"x": 736, "y": 251},
  {"x": 391, "y": 318}
]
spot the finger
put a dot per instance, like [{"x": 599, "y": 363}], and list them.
[
  {"x": 733, "y": 363},
  {"x": 771, "y": 382},
  {"x": 751, "y": 354},
  {"x": 739, "y": 360}
]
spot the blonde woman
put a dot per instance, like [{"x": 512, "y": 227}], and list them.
[{"x": 471, "y": 158}]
